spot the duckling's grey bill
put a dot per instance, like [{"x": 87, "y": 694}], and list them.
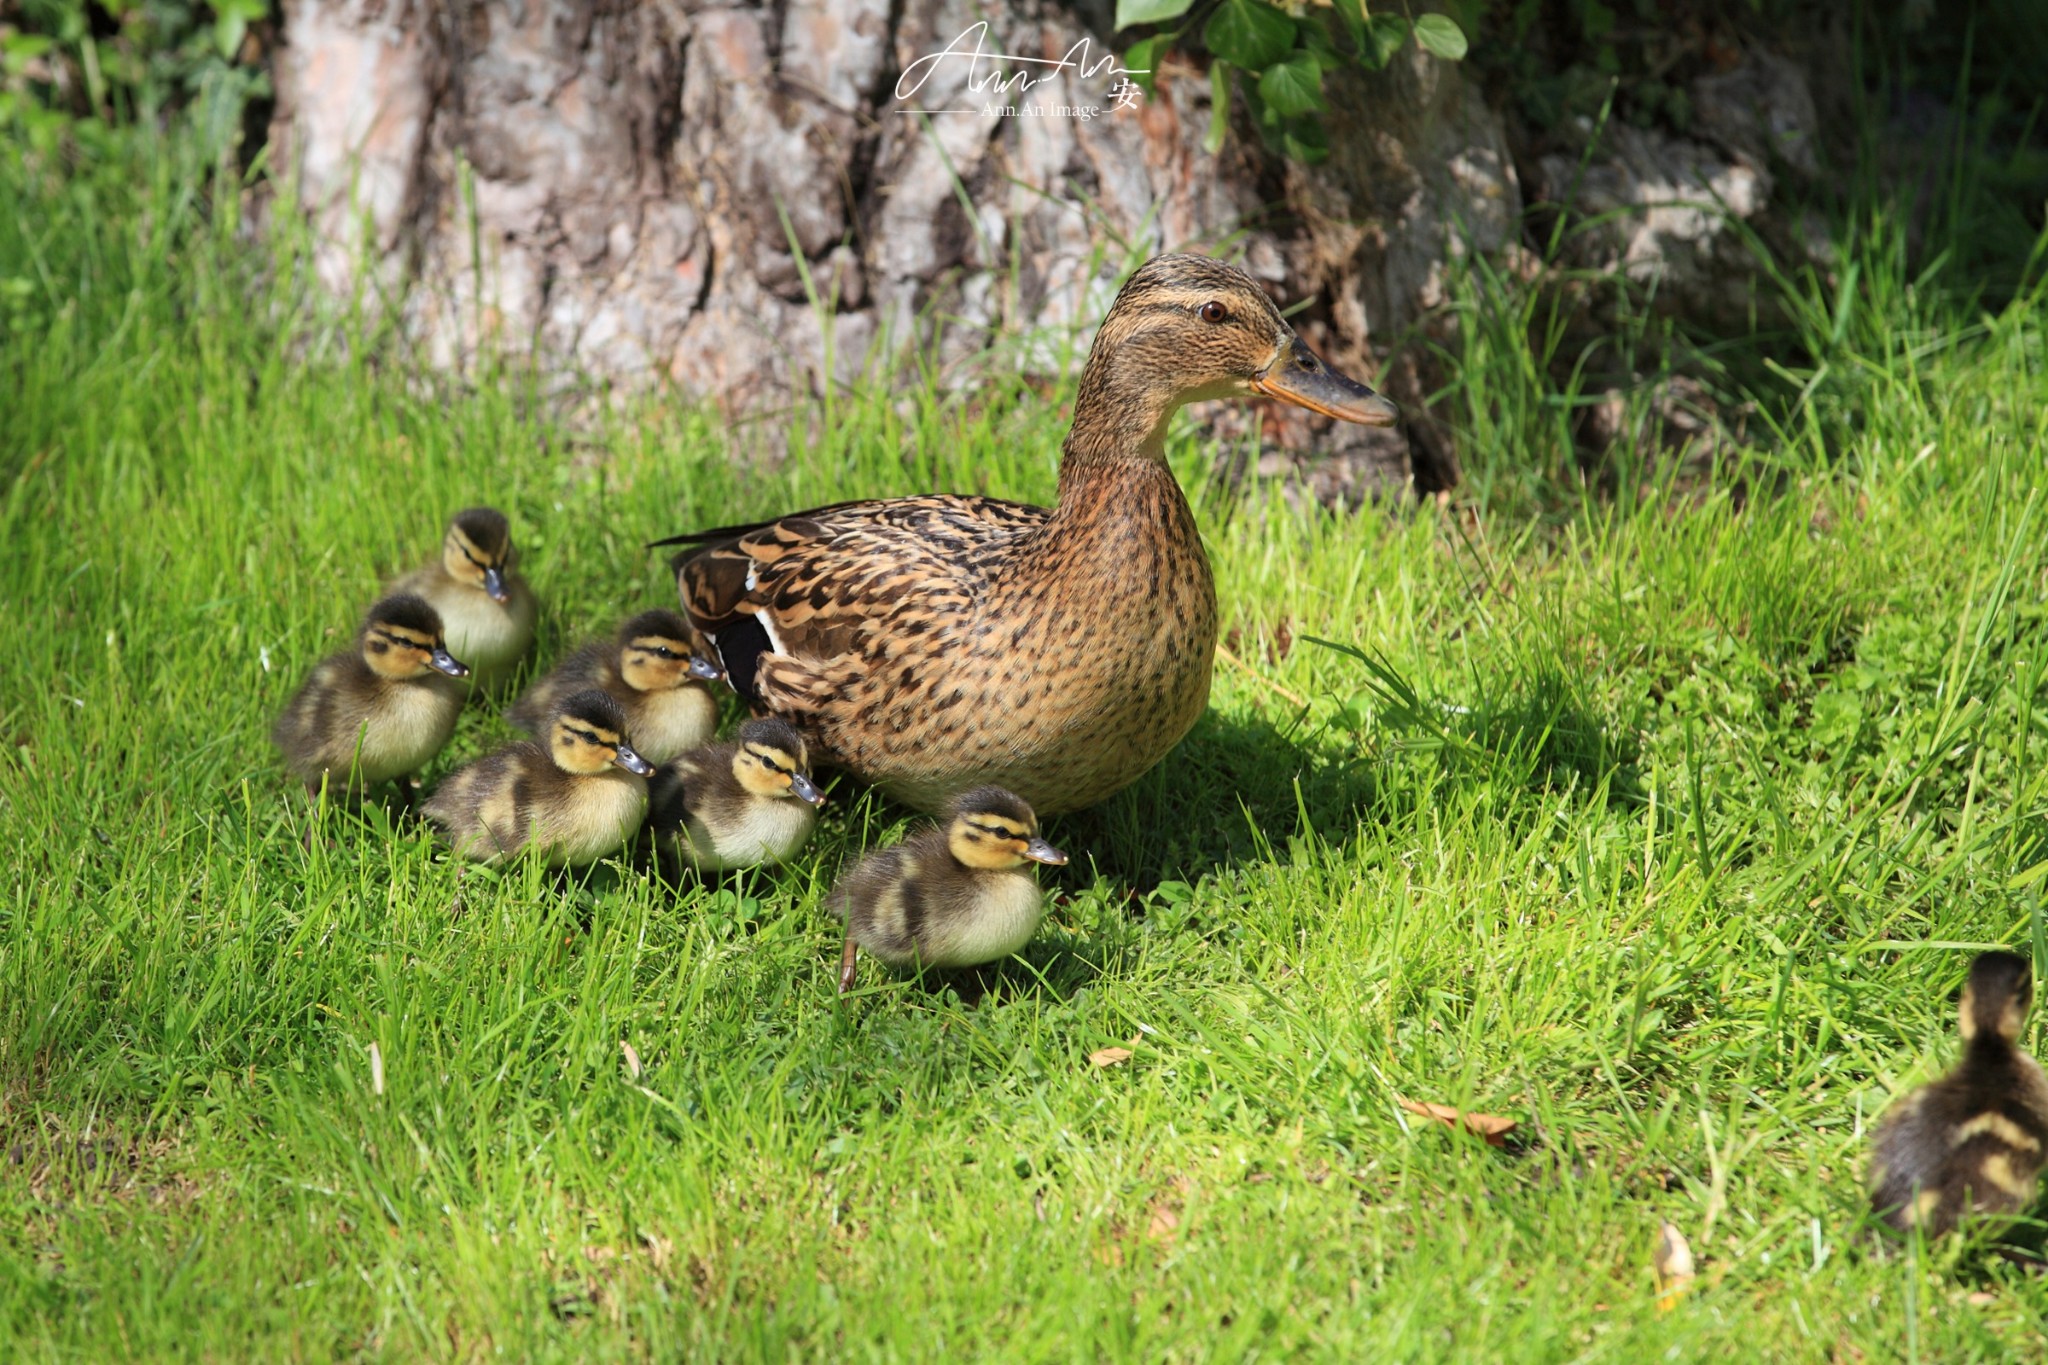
[{"x": 1039, "y": 851}]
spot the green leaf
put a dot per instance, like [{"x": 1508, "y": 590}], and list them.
[
  {"x": 1440, "y": 36},
  {"x": 1352, "y": 13},
  {"x": 228, "y": 29},
  {"x": 1142, "y": 61},
  {"x": 1248, "y": 34},
  {"x": 1383, "y": 38},
  {"x": 1130, "y": 12},
  {"x": 1305, "y": 141},
  {"x": 1219, "y": 107},
  {"x": 1316, "y": 40},
  {"x": 1294, "y": 86}
]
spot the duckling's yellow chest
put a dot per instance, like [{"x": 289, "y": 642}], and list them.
[
  {"x": 591, "y": 819},
  {"x": 1000, "y": 917},
  {"x": 661, "y": 725},
  {"x": 760, "y": 832},
  {"x": 488, "y": 637},
  {"x": 411, "y": 723}
]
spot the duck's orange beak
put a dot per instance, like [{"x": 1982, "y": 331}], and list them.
[{"x": 1300, "y": 377}]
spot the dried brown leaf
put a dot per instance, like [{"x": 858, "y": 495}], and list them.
[
  {"x": 1492, "y": 1127},
  {"x": 1109, "y": 1056}
]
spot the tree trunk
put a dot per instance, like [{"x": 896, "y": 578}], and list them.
[{"x": 738, "y": 200}]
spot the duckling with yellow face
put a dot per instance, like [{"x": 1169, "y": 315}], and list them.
[
  {"x": 574, "y": 797},
  {"x": 1973, "y": 1142},
  {"x": 486, "y": 606},
  {"x": 748, "y": 803},
  {"x": 648, "y": 669},
  {"x": 378, "y": 711},
  {"x": 954, "y": 896}
]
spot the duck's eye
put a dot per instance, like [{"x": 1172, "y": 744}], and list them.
[{"x": 1213, "y": 311}]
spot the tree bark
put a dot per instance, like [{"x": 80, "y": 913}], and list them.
[{"x": 737, "y": 199}]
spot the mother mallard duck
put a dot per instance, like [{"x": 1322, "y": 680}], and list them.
[{"x": 931, "y": 644}]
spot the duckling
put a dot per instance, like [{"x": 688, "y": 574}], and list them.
[
  {"x": 488, "y": 609},
  {"x": 649, "y": 670},
  {"x": 576, "y": 797},
  {"x": 748, "y": 803},
  {"x": 1973, "y": 1141},
  {"x": 908, "y": 638},
  {"x": 378, "y": 711},
  {"x": 955, "y": 896}
]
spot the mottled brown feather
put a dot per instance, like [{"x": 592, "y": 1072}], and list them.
[{"x": 934, "y": 643}]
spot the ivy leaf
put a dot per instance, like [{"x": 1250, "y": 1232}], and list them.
[
  {"x": 1294, "y": 86},
  {"x": 1440, "y": 36},
  {"x": 1305, "y": 141},
  {"x": 1248, "y": 33},
  {"x": 1383, "y": 38},
  {"x": 228, "y": 30},
  {"x": 1142, "y": 61},
  {"x": 1130, "y": 12},
  {"x": 1315, "y": 39},
  {"x": 1352, "y": 13},
  {"x": 1219, "y": 107}
]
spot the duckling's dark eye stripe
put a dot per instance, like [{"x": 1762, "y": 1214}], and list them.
[{"x": 589, "y": 737}]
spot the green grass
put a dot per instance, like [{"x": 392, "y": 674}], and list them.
[{"x": 1663, "y": 822}]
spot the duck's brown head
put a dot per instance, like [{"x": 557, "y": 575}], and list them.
[
  {"x": 588, "y": 735},
  {"x": 401, "y": 640},
  {"x": 1995, "y": 1000},
  {"x": 478, "y": 551},
  {"x": 654, "y": 653},
  {"x": 996, "y": 830},
  {"x": 773, "y": 762},
  {"x": 1188, "y": 328}
]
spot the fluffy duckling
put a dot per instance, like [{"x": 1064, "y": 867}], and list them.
[
  {"x": 955, "y": 896},
  {"x": 1973, "y": 1141},
  {"x": 487, "y": 608},
  {"x": 378, "y": 711},
  {"x": 748, "y": 803},
  {"x": 575, "y": 796},
  {"x": 649, "y": 670}
]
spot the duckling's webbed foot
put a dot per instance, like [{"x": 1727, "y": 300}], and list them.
[{"x": 847, "y": 964}]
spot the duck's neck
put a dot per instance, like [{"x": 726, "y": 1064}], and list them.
[{"x": 1118, "y": 437}]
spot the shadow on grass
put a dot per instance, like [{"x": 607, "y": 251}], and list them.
[
  {"x": 1232, "y": 790},
  {"x": 1239, "y": 787},
  {"x": 1054, "y": 966}
]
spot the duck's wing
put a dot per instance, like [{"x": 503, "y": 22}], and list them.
[{"x": 793, "y": 606}]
